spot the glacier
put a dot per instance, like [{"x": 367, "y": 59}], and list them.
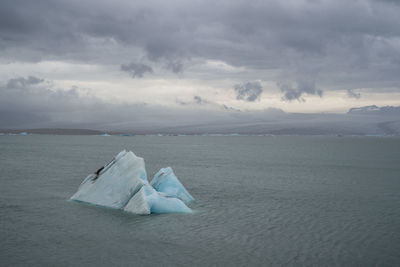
[{"x": 122, "y": 184}]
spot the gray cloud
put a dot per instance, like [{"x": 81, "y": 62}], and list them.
[
  {"x": 175, "y": 66},
  {"x": 136, "y": 70},
  {"x": 23, "y": 82},
  {"x": 352, "y": 94},
  {"x": 296, "y": 91},
  {"x": 25, "y": 101},
  {"x": 250, "y": 91},
  {"x": 198, "y": 100},
  {"x": 350, "y": 46}
]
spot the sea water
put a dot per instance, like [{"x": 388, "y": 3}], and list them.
[{"x": 260, "y": 201}]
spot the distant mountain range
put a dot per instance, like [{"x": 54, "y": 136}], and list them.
[
  {"x": 368, "y": 120},
  {"x": 53, "y": 131},
  {"x": 368, "y": 110}
]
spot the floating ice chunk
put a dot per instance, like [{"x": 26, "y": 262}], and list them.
[
  {"x": 114, "y": 184},
  {"x": 166, "y": 182},
  {"x": 123, "y": 184},
  {"x": 148, "y": 200}
]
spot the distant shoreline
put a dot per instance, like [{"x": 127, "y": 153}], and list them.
[
  {"x": 52, "y": 131},
  {"x": 90, "y": 132}
]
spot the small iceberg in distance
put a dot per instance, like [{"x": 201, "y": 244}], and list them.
[{"x": 122, "y": 184}]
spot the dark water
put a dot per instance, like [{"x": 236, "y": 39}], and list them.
[{"x": 271, "y": 201}]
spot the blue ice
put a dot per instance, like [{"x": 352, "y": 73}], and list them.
[
  {"x": 165, "y": 181},
  {"x": 148, "y": 200}
]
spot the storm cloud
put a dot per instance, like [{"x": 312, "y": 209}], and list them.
[
  {"x": 298, "y": 48},
  {"x": 331, "y": 35}
]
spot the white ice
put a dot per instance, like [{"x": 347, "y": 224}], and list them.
[
  {"x": 116, "y": 183},
  {"x": 166, "y": 182}
]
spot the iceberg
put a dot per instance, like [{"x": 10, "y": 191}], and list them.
[
  {"x": 165, "y": 181},
  {"x": 122, "y": 184}
]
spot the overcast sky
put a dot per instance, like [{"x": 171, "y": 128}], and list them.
[{"x": 66, "y": 60}]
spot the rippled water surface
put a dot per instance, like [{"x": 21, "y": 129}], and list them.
[{"x": 271, "y": 201}]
